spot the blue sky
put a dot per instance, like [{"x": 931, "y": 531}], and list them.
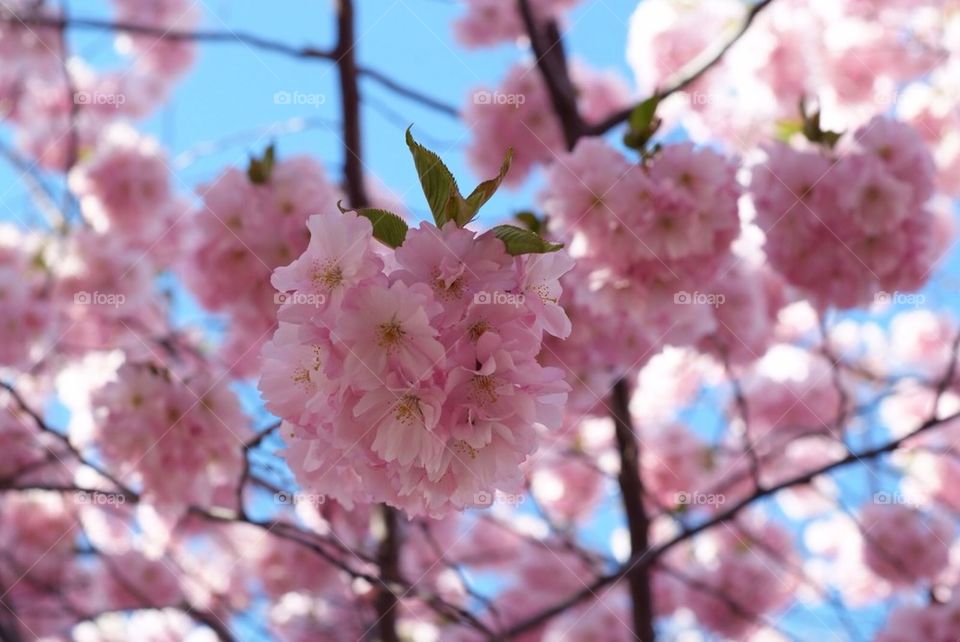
[{"x": 229, "y": 94}]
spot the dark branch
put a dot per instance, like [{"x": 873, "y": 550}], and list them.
[
  {"x": 638, "y": 523},
  {"x": 547, "y": 47},
  {"x": 702, "y": 64},
  {"x": 230, "y": 37}
]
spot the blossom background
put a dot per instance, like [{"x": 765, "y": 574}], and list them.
[{"x": 234, "y": 102}]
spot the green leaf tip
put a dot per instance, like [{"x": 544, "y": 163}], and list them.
[
  {"x": 388, "y": 228},
  {"x": 440, "y": 187},
  {"x": 520, "y": 241}
]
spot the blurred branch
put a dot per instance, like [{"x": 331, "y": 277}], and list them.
[
  {"x": 638, "y": 523},
  {"x": 547, "y": 45},
  {"x": 230, "y": 37},
  {"x": 700, "y": 65},
  {"x": 388, "y": 551},
  {"x": 648, "y": 557},
  {"x": 41, "y": 193},
  {"x": 350, "y": 106}
]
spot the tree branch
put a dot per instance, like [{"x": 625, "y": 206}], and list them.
[
  {"x": 638, "y": 523},
  {"x": 350, "y": 106},
  {"x": 547, "y": 45},
  {"x": 653, "y": 553},
  {"x": 701, "y": 64},
  {"x": 229, "y": 37}
]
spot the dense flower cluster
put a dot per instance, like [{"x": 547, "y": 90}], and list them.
[
  {"x": 149, "y": 422},
  {"x": 436, "y": 371},
  {"x": 938, "y": 622},
  {"x": 741, "y": 579},
  {"x": 864, "y": 210},
  {"x": 124, "y": 187},
  {"x": 415, "y": 384},
  {"x": 858, "y": 58},
  {"x": 241, "y": 233},
  {"x": 490, "y": 22},
  {"x": 25, "y": 311},
  {"x": 903, "y": 545},
  {"x": 59, "y": 110},
  {"x": 518, "y": 114},
  {"x": 36, "y": 533},
  {"x": 652, "y": 243}
]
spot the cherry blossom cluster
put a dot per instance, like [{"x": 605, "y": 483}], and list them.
[
  {"x": 36, "y": 533},
  {"x": 744, "y": 577},
  {"x": 124, "y": 190},
  {"x": 652, "y": 242},
  {"x": 903, "y": 545},
  {"x": 937, "y": 621},
  {"x": 412, "y": 378},
  {"x": 241, "y": 233},
  {"x": 518, "y": 114},
  {"x": 60, "y": 109},
  {"x": 858, "y": 58},
  {"x": 148, "y": 421},
  {"x": 863, "y": 208},
  {"x": 26, "y": 313},
  {"x": 490, "y": 22}
]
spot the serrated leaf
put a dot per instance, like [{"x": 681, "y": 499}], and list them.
[
  {"x": 260, "y": 169},
  {"x": 520, "y": 241},
  {"x": 388, "y": 228},
  {"x": 439, "y": 186},
  {"x": 484, "y": 191}
]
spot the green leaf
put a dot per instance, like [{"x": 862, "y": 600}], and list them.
[
  {"x": 260, "y": 169},
  {"x": 787, "y": 129},
  {"x": 643, "y": 123},
  {"x": 484, "y": 191},
  {"x": 520, "y": 241},
  {"x": 439, "y": 186},
  {"x": 530, "y": 221},
  {"x": 641, "y": 118},
  {"x": 814, "y": 132},
  {"x": 388, "y": 228}
]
